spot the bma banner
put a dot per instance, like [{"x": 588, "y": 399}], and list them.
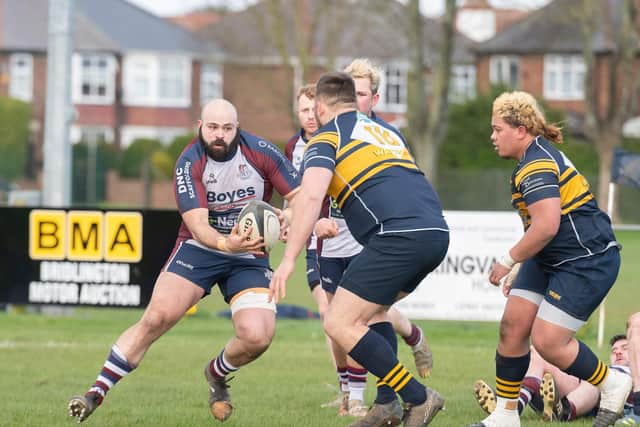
[
  {"x": 459, "y": 288},
  {"x": 83, "y": 257}
]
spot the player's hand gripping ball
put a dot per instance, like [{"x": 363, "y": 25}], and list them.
[{"x": 264, "y": 220}]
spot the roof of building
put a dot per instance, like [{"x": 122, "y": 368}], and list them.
[
  {"x": 556, "y": 28},
  {"x": 99, "y": 25},
  {"x": 196, "y": 20},
  {"x": 346, "y": 29}
]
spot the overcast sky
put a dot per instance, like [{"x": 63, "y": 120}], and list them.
[{"x": 177, "y": 7}]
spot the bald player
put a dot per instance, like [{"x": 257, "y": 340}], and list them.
[{"x": 216, "y": 175}]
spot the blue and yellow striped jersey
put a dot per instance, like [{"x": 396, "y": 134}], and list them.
[
  {"x": 545, "y": 172},
  {"x": 376, "y": 183}
]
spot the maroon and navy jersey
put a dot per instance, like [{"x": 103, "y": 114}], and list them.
[
  {"x": 294, "y": 149},
  {"x": 224, "y": 188}
]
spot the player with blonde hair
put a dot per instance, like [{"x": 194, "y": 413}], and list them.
[{"x": 570, "y": 260}]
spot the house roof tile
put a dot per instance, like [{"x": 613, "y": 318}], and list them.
[
  {"x": 556, "y": 28},
  {"x": 108, "y": 25}
]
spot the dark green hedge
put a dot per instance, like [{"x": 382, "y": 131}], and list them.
[{"x": 14, "y": 137}]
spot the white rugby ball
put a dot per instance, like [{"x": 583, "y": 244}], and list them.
[{"x": 264, "y": 220}]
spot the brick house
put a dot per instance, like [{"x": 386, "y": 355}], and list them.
[
  {"x": 542, "y": 54},
  {"x": 263, "y": 89},
  {"x": 133, "y": 74}
]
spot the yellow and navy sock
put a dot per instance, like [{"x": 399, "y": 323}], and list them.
[
  {"x": 587, "y": 366},
  {"x": 509, "y": 374},
  {"x": 384, "y": 393},
  {"x": 375, "y": 354}
]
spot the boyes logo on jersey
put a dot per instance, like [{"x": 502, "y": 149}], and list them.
[{"x": 85, "y": 257}]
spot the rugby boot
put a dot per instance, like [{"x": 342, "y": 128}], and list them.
[
  {"x": 357, "y": 408},
  {"x": 500, "y": 418},
  {"x": 631, "y": 420},
  {"x": 83, "y": 406},
  {"x": 339, "y": 401},
  {"x": 423, "y": 357},
  {"x": 381, "y": 415},
  {"x": 485, "y": 396},
  {"x": 421, "y": 415},
  {"x": 551, "y": 405},
  {"x": 219, "y": 399},
  {"x": 613, "y": 394}
]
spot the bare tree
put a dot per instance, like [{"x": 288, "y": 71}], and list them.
[
  {"x": 605, "y": 117},
  {"x": 427, "y": 119}
]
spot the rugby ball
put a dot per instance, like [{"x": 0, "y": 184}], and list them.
[{"x": 264, "y": 220}]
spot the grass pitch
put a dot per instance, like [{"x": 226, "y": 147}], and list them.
[{"x": 44, "y": 360}]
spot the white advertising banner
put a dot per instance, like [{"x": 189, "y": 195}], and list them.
[{"x": 459, "y": 288}]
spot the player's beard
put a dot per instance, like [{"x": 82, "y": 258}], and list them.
[{"x": 222, "y": 151}]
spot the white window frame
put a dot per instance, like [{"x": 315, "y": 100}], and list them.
[
  {"x": 501, "y": 70},
  {"x": 393, "y": 75},
  {"x": 21, "y": 77},
  {"x": 462, "y": 83},
  {"x": 564, "y": 77},
  {"x": 95, "y": 77},
  {"x": 211, "y": 82},
  {"x": 134, "y": 74}
]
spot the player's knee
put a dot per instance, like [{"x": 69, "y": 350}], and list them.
[
  {"x": 156, "y": 322},
  {"x": 634, "y": 324},
  {"x": 331, "y": 325},
  {"x": 257, "y": 341}
]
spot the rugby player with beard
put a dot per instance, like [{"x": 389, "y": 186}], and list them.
[{"x": 215, "y": 176}]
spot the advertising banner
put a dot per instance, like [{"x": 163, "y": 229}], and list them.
[
  {"x": 103, "y": 258},
  {"x": 459, "y": 288}
]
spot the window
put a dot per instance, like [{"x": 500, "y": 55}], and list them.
[
  {"x": 564, "y": 77},
  {"x": 21, "y": 76},
  {"x": 393, "y": 89},
  {"x": 210, "y": 82},
  {"x": 163, "y": 81},
  {"x": 94, "y": 78},
  {"x": 463, "y": 83},
  {"x": 171, "y": 78},
  {"x": 505, "y": 70}
]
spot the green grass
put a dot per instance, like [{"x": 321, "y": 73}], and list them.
[{"x": 44, "y": 360}]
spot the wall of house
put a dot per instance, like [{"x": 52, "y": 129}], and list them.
[
  {"x": 532, "y": 81},
  {"x": 263, "y": 96},
  {"x": 131, "y": 192}
]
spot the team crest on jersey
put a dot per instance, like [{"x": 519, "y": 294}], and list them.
[{"x": 244, "y": 172}]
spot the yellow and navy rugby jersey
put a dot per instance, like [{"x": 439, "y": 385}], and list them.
[
  {"x": 376, "y": 183},
  {"x": 545, "y": 172}
]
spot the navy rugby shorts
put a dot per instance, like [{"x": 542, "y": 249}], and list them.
[
  {"x": 313, "y": 274},
  {"x": 394, "y": 262},
  {"x": 331, "y": 271},
  {"x": 576, "y": 287},
  {"x": 206, "y": 268}
]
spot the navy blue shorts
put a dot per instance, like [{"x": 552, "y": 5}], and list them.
[
  {"x": 331, "y": 271},
  {"x": 313, "y": 273},
  {"x": 577, "y": 287},
  {"x": 206, "y": 268},
  {"x": 393, "y": 263}
]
